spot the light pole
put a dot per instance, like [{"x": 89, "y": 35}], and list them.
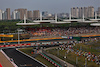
[
  {"x": 65, "y": 59},
  {"x": 85, "y": 62},
  {"x": 65, "y": 56},
  {"x": 80, "y": 47},
  {"x": 76, "y": 59},
  {"x": 18, "y": 35},
  {"x": 58, "y": 51}
]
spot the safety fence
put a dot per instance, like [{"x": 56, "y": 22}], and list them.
[
  {"x": 15, "y": 45},
  {"x": 50, "y": 60},
  {"x": 35, "y": 44}
]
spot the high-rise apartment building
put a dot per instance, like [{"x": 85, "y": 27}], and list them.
[
  {"x": 75, "y": 12},
  {"x": 72, "y": 11},
  {"x": 85, "y": 12},
  {"x": 98, "y": 12},
  {"x": 4, "y": 15},
  {"x": 29, "y": 15},
  {"x": 22, "y": 13},
  {"x": 81, "y": 12},
  {"x": 36, "y": 14},
  {"x": 90, "y": 11},
  {"x": 0, "y": 14},
  {"x": 15, "y": 15},
  {"x": 8, "y": 14},
  {"x": 78, "y": 12}
]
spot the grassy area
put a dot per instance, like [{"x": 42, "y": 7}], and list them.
[
  {"x": 91, "y": 47},
  {"x": 27, "y": 50},
  {"x": 43, "y": 60},
  {"x": 39, "y": 57},
  {"x": 71, "y": 58}
]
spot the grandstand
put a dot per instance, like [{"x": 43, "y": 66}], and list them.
[
  {"x": 38, "y": 34},
  {"x": 65, "y": 31},
  {"x": 50, "y": 31}
]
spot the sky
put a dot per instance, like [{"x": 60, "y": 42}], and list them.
[{"x": 52, "y": 6}]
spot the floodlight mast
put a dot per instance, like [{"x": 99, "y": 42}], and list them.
[
  {"x": 70, "y": 16},
  {"x": 19, "y": 35},
  {"x": 55, "y": 17},
  {"x": 83, "y": 16},
  {"x": 95, "y": 15},
  {"x": 24, "y": 18},
  {"x": 40, "y": 16}
]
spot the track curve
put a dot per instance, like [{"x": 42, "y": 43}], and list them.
[{"x": 20, "y": 59}]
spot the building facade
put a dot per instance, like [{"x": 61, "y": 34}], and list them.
[
  {"x": 98, "y": 12},
  {"x": 4, "y": 15},
  {"x": 22, "y": 13},
  {"x": 36, "y": 14},
  {"x": 85, "y": 12},
  {"x": 29, "y": 14},
  {"x": 15, "y": 15},
  {"x": 8, "y": 13},
  {"x": 90, "y": 11},
  {"x": 75, "y": 12},
  {"x": 0, "y": 14}
]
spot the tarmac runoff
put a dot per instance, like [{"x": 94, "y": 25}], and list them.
[
  {"x": 21, "y": 59},
  {"x": 9, "y": 59},
  {"x": 4, "y": 60}
]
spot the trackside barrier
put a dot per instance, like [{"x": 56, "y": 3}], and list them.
[
  {"x": 50, "y": 60},
  {"x": 16, "y": 45},
  {"x": 48, "y": 43},
  {"x": 33, "y": 44}
]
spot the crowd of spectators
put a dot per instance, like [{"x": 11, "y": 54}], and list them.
[
  {"x": 79, "y": 52},
  {"x": 57, "y": 31}
]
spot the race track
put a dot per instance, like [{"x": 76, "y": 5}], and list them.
[{"x": 20, "y": 59}]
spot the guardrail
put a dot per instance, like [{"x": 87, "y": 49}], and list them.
[
  {"x": 33, "y": 44},
  {"x": 50, "y": 60},
  {"x": 15, "y": 45}
]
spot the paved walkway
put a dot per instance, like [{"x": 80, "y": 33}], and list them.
[{"x": 4, "y": 61}]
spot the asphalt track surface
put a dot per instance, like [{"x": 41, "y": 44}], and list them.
[{"x": 20, "y": 59}]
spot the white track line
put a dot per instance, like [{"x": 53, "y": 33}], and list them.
[
  {"x": 9, "y": 59},
  {"x": 31, "y": 57}
]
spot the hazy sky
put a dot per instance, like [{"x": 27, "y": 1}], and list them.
[{"x": 52, "y": 6}]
